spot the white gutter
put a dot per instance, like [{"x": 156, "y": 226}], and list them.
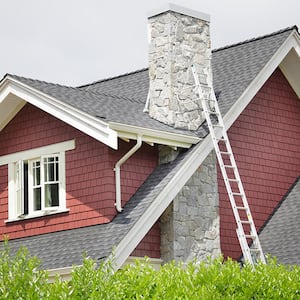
[
  {"x": 154, "y": 136},
  {"x": 117, "y": 170}
]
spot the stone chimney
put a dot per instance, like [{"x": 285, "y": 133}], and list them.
[{"x": 179, "y": 37}]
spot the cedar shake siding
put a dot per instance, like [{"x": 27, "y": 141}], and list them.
[
  {"x": 90, "y": 181},
  {"x": 265, "y": 141},
  {"x": 150, "y": 244}
]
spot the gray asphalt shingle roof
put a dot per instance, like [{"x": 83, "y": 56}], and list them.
[
  {"x": 121, "y": 99},
  {"x": 104, "y": 105},
  {"x": 280, "y": 235}
]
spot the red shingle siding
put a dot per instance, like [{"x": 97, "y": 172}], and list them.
[
  {"x": 150, "y": 244},
  {"x": 266, "y": 143},
  {"x": 90, "y": 179}
]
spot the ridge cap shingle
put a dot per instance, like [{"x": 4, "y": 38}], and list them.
[
  {"x": 254, "y": 39},
  {"x": 18, "y": 77}
]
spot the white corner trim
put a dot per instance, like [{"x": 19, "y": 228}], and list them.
[
  {"x": 28, "y": 154},
  {"x": 181, "y": 10},
  {"x": 84, "y": 122},
  {"x": 154, "y": 136}
]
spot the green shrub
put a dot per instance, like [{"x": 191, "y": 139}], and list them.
[{"x": 20, "y": 278}]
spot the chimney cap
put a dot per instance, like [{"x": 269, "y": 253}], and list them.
[{"x": 179, "y": 9}]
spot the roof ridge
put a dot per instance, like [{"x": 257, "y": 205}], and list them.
[
  {"x": 17, "y": 77},
  {"x": 113, "y": 77},
  {"x": 257, "y": 38},
  {"x": 14, "y": 76}
]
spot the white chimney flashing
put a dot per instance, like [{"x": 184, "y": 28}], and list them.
[{"x": 181, "y": 10}]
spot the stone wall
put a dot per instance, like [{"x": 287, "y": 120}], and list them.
[
  {"x": 190, "y": 225},
  {"x": 177, "y": 42}
]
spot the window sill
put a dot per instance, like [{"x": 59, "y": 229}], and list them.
[{"x": 38, "y": 215}]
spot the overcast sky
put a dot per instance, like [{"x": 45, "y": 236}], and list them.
[{"x": 73, "y": 42}]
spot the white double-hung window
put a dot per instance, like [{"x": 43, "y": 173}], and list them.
[{"x": 36, "y": 183}]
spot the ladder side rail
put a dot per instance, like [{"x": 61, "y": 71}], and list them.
[
  {"x": 241, "y": 236},
  {"x": 240, "y": 230},
  {"x": 245, "y": 202}
]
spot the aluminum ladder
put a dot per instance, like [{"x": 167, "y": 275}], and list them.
[{"x": 246, "y": 231}]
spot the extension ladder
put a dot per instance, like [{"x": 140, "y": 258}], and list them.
[{"x": 246, "y": 231}]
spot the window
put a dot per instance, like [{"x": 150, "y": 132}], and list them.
[{"x": 37, "y": 182}]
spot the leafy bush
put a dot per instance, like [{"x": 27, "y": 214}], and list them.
[{"x": 20, "y": 278}]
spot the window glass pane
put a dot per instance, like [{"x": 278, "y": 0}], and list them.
[
  {"x": 25, "y": 188},
  {"x": 36, "y": 166},
  {"x": 56, "y": 170},
  {"x": 51, "y": 169},
  {"x": 37, "y": 203},
  {"x": 51, "y": 195}
]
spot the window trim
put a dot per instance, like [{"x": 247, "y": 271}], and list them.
[{"x": 12, "y": 159}]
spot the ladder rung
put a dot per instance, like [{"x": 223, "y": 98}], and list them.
[
  {"x": 229, "y": 166},
  {"x": 211, "y": 112},
  {"x": 250, "y": 236},
  {"x": 245, "y": 222},
  {"x": 225, "y": 153},
  {"x": 241, "y": 207},
  {"x": 222, "y": 140},
  {"x": 254, "y": 250},
  {"x": 237, "y": 194},
  {"x": 233, "y": 180}
]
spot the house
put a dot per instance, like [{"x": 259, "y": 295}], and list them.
[{"x": 126, "y": 164}]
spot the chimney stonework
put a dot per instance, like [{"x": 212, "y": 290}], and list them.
[
  {"x": 190, "y": 226},
  {"x": 179, "y": 38}
]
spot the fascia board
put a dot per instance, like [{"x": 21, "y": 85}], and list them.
[
  {"x": 68, "y": 114},
  {"x": 154, "y": 136},
  {"x": 249, "y": 93},
  {"x": 64, "y": 274},
  {"x": 159, "y": 205}
]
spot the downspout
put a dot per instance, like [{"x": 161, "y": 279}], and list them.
[{"x": 118, "y": 165}]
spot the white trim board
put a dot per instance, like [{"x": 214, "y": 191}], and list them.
[
  {"x": 68, "y": 114},
  {"x": 27, "y": 154}
]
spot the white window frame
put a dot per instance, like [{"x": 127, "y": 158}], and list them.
[{"x": 15, "y": 207}]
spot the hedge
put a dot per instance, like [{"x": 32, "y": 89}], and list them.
[{"x": 21, "y": 278}]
